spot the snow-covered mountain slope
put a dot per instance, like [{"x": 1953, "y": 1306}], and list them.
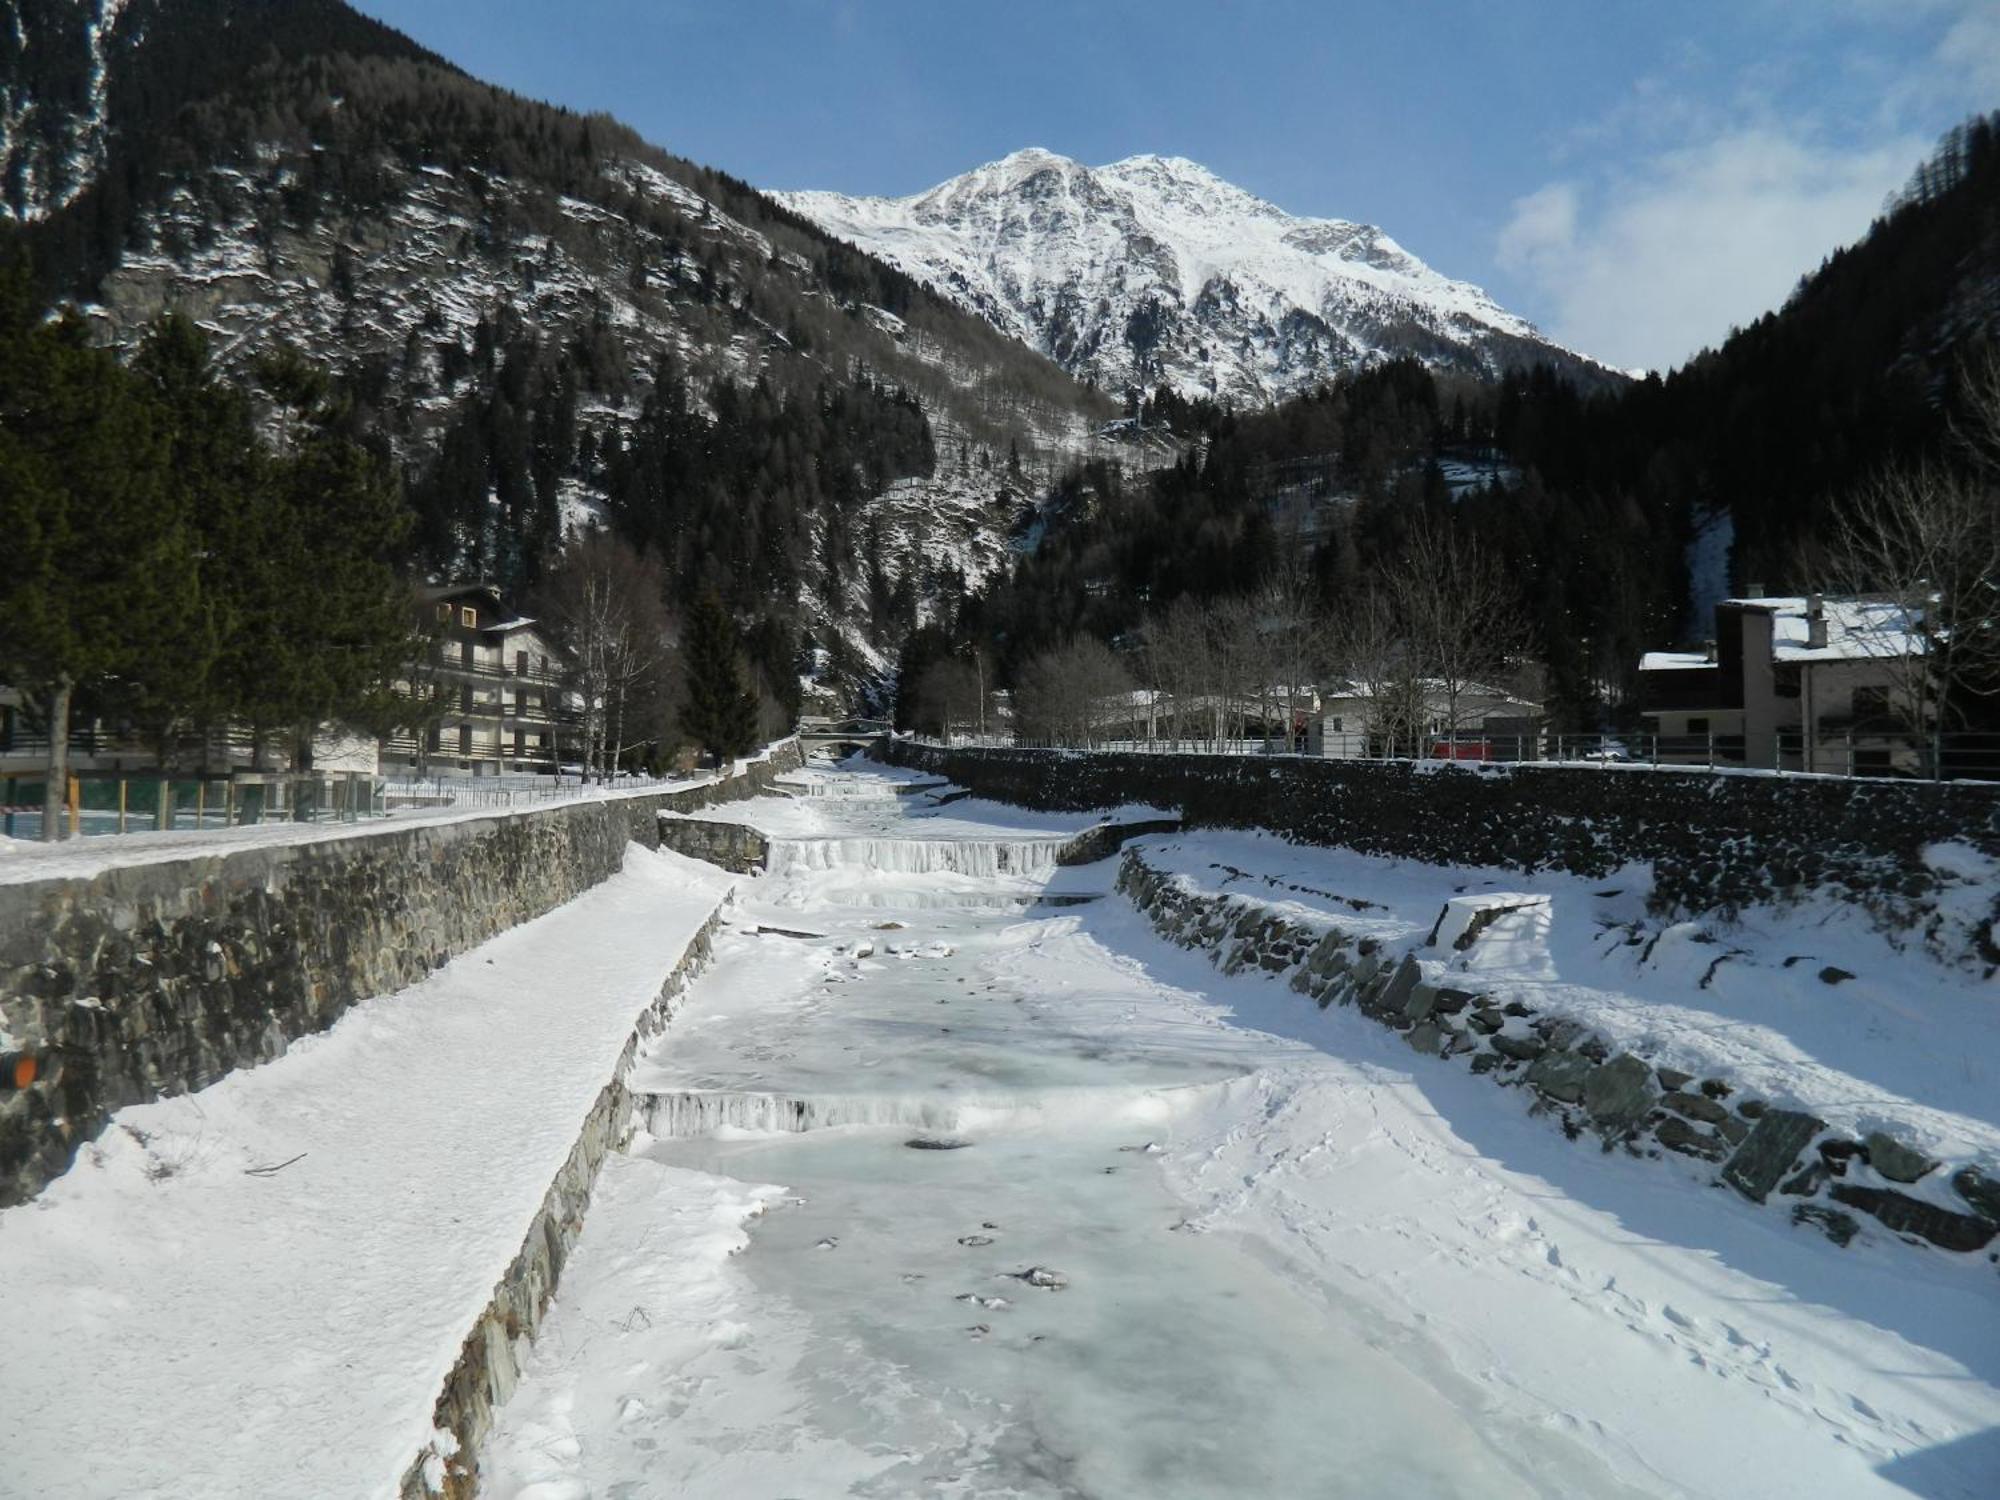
[
  {"x": 1154, "y": 269},
  {"x": 543, "y": 317}
]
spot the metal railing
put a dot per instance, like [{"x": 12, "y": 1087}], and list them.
[
  {"x": 1960, "y": 756},
  {"x": 98, "y": 802}
]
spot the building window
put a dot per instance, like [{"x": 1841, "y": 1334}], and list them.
[
  {"x": 1335, "y": 723},
  {"x": 468, "y": 617},
  {"x": 520, "y": 664},
  {"x": 444, "y": 613},
  {"x": 1697, "y": 726},
  {"x": 1871, "y": 705}
]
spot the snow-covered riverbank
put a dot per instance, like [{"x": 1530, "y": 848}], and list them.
[{"x": 1296, "y": 1259}]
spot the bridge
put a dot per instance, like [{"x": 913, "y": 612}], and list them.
[{"x": 836, "y": 735}]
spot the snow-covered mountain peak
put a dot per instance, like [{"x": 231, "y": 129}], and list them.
[{"x": 1154, "y": 269}]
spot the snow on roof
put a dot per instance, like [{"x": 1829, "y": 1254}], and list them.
[
  {"x": 1674, "y": 661},
  {"x": 1857, "y": 629},
  {"x": 1433, "y": 687},
  {"x": 506, "y": 625}
]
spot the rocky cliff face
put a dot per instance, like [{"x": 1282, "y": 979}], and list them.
[{"x": 1155, "y": 270}]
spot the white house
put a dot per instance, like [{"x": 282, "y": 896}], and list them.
[{"x": 1805, "y": 683}]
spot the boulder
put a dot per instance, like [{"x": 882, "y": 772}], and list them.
[
  {"x": 1404, "y": 982},
  {"x": 1520, "y": 1048},
  {"x": 1695, "y": 1107},
  {"x": 1835, "y": 1225},
  {"x": 1619, "y": 1093},
  {"x": 1769, "y": 1151},
  {"x": 1981, "y": 1191},
  {"x": 1907, "y": 1215},
  {"x": 1425, "y": 1037},
  {"x": 1677, "y": 1134},
  {"x": 1422, "y": 1001},
  {"x": 1560, "y": 1075}
]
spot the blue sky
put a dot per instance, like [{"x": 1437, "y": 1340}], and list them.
[{"x": 1635, "y": 177}]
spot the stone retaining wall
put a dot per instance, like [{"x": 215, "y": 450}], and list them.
[
  {"x": 496, "y": 1350},
  {"x": 158, "y": 979},
  {"x": 1619, "y": 1099},
  {"x": 735, "y": 847},
  {"x": 1716, "y": 842}
]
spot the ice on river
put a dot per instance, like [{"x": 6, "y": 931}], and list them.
[{"x": 1186, "y": 1236}]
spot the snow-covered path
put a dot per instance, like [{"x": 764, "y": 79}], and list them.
[
  {"x": 257, "y": 1290},
  {"x": 1296, "y": 1259}
]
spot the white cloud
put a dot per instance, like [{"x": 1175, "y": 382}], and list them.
[
  {"x": 1971, "y": 47},
  {"x": 1665, "y": 260}
]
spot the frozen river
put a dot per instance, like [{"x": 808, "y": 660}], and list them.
[{"x": 955, "y": 1183}]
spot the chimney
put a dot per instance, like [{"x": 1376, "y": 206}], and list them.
[
  {"x": 1754, "y": 591},
  {"x": 1815, "y": 623}
]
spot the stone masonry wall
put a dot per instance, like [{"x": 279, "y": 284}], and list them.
[
  {"x": 1619, "y": 1099},
  {"x": 1716, "y": 842},
  {"x": 735, "y": 847},
  {"x": 159, "y": 978}
]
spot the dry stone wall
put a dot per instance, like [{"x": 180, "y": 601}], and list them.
[
  {"x": 1716, "y": 842},
  {"x": 1619, "y": 1099},
  {"x": 157, "y": 979}
]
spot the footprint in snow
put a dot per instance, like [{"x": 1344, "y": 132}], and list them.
[
  {"x": 971, "y": 1241},
  {"x": 831, "y": 1242}
]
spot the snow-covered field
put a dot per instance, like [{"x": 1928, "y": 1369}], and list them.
[{"x": 967, "y": 1184}]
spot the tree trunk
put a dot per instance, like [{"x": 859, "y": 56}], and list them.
[{"x": 55, "y": 785}]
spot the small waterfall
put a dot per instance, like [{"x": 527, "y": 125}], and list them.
[
  {"x": 855, "y": 788},
  {"x": 702, "y": 1112},
  {"x": 691, "y": 1113},
  {"x": 1019, "y": 858}
]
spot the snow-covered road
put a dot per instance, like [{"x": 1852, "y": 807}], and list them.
[{"x": 960, "y": 1182}]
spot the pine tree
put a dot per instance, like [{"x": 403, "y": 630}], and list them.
[
  {"x": 100, "y": 579},
  {"x": 721, "y": 714}
]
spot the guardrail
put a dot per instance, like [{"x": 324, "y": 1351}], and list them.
[
  {"x": 1959, "y": 756},
  {"x": 116, "y": 802}
]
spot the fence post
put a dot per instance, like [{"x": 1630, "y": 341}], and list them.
[
  {"x": 75, "y": 807},
  {"x": 121, "y": 804},
  {"x": 200, "y": 803},
  {"x": 1850, "y": 755},
  {"x": 1711, "y": 749}
]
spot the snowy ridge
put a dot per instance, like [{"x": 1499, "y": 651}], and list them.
[{"x": 1154, "y": 269}]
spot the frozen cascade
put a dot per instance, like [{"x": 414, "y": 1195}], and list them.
[
  {"x": 678, "y": 1116},
  {"x": 978, "y": 857},
  {"x": 855, "y": 788}
]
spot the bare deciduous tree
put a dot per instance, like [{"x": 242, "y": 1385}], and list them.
[
  {"x": 1924, "y": 541},
  {"x": 1072, "y": 694},
  {"x": 1368, "y": 647},
  {"x": 606, "y": 609},
  {"x": 1460, "y": 615}
]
